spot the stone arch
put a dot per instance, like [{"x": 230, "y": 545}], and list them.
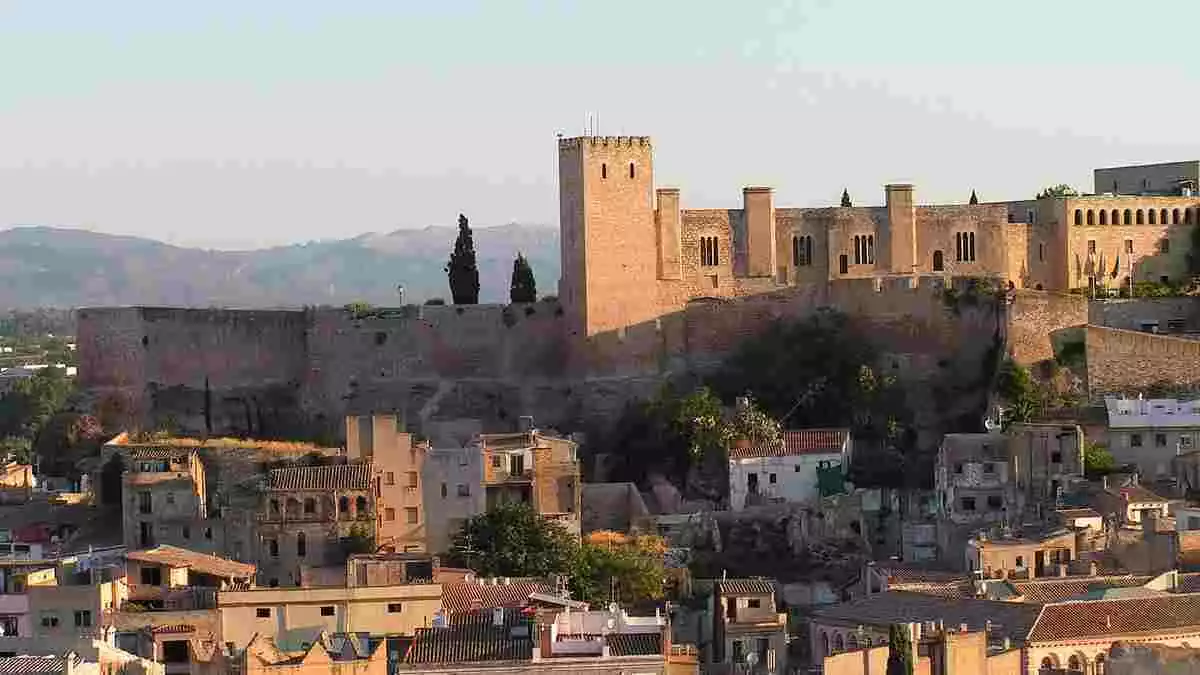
[
  {"x": 1091, "y": 217},
  {"x": 1128, "y": 217},
  {"x": 1049, "y": 662},
  {"x": 1141, "y": 217},
  {"x": 1076, "y": 663},
  {"x": 1152, "y": 216},
  {"x": 1174, "y": 216},
  {"x": 1078, "y": 217},
  {"x": 1103, "y": 217},
  {"x": 1116, "y": 217},
  {"x": 1163, "y": 217},
  {"x": 839, "y": 645}
]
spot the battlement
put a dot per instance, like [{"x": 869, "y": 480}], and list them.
[{"x": 603, "y": 141}]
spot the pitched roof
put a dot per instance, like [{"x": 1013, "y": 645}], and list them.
[
  {"x": 1056, "y": 590},
  {"x": 1098, "y": 618},
  {"x": 172, "y": 556},
  {"x": 472, "y": 642},
  {"x": 335, "y": 477},
  {"x": 796, "y": 442},
  {"x": 466, "y": 595},
  {"x": 634, "y": 644},
  {"x": 1137, "y": 493},
  {"x": 883, "y": 609},
  {"x": 159, "y": 452},
  {"x": 33, "y": 665},
  {"x": 745, "y": 587}
]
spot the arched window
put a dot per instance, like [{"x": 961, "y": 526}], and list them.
[
  {"x": 310, "y": 506},
  {"x": 1128, "y": 217},
  {"x": 870, "y": 249},
  {"x": 632, "y": 173},
  {"x": 1141, "y": 217},
  {"x": 604, "y": 171},
  {"x": 825, "y": 643},
  {"x": 1078, "y": 217},
  {"x": 360, "y": 506},
  {"x": 958, "y": 247},
  {"x": 808, "y": 250},
  {"x": 857, "y": 252},
  {"x": 1100, "y": 664},
  {"x": 1175, "y": 216},
  {"x": 1116, "y": 217},
  {"x": 1163, "y": 217},
  {"x": 1041, "y": 252},
  {"x": 1187, "y": 216},
  {"x": 1074, "y": 664},
  {"x": 1153, "y": 216},
  {"x": 838, "y": 644},
  {"x": 1103, "y": 217},
  {"x": 939, "y": 265},
  {"x": 1047, "y": 664},
  {"x": 795, "y": 251},
  {"x": 852, "y": 642},
  {"x": 971, "y": 252},
  {"x": 1091, "y": 217},
  {"x": 301, "y": 545},
  {"x": 273, "y": 547},
  {"x": 344, "y": 506}
]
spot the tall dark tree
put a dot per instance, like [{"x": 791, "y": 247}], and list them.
[
  {"x": 846, "y": 198},
  {"x": 462, "y": 269},
  {"x": 900, "y": 656},
  {"x": 974, "y": 198},
  {"x": 522, "y": 288}
]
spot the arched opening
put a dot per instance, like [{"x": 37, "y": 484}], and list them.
[
  {"x": 838, "y": 645},
  {"x": 604, "y": 171},
  {"x": 958, "y": 247},
  {"x": 1101, "y": 663},
  {"x": 1047, "y": 664},
  {"x": 939, "y": 265},
  {"x": 1075, "y": 664},
  {"x": 852, "y": 642},
  {"x": 857, "y": 251},
  {"x": 632, "y": 172},
  {"x": 1078, "y": 217},
  {"x": 870, "y": 249},
  {"x": 971, "y": 240},
  {"x": 1103, "y": 217},
  {"x": 301, "y": 545},
  {"x": 344, "y": 507},
  {"x": 1116, "y": 217},
  {"x": 795, "y": 251},
  {"x": 1153, "y": 216},
  {"x": 824, "y": 643},
  {"x": 1141, "y": 218},
  {"x": 1128, "y": 217},
  {"x": 1163, "y": 217},
  {"x": 1091, "y": 217},
  {"x": 1038, "y": 287},
  {"x": 1187, "y": 216},
  {"x": 360, "y": 506},
  {"x": 808, "y": 250},
  {"x": 1175, "y": 216}
]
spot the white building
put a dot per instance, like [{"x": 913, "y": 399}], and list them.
[
  {"x": 1150, "y": 433},
  {"x": 786, "y": 471}
]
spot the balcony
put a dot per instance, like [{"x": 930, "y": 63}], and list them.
[
  {"x": 295, "y": 517},
  {"x": 149, "y": 598}
]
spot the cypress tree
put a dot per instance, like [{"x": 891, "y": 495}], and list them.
[
  {"x": 462, "y": 270},
  {"x": 522, "y": 288},
  {"x": 974, "y": 199},
  {"x": 846, "y": 198},
  {"x": 900, "y": 660}
]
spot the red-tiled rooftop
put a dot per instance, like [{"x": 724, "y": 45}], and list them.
[
  {"x": 336, "y": 477},
  {"x": 1083, "y": 619},
  {"x": 795, "y": 443},
  {"x": 468, "y": 595},
  {"x": 745, "y": 587},
  {"x": 1056, "y": 590},
  {"x": 172, "y": 556}
]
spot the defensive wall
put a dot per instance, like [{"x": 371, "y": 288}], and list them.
[
  {"x": 279, "y": 373},
  {"x": 1123, "y": 361}
]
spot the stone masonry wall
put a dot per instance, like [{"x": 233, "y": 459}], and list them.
[
  {"x": 1121, "y": 361},
  {"x": 1034, "y": 320}
]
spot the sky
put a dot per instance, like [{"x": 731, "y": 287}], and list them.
[{"x": 235, "y": 124}]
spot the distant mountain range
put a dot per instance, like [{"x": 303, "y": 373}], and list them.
[{"x": 51, "y": 267}]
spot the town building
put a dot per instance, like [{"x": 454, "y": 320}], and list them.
[
  {"x": 397, "y": 462},
  {"x": 1022, "y": 555},
  {"x": 1151, "y": 433},
  {"x": 1128, "y": 503},
  {"x": 747, "y": 627},
  {"x": 789, "y": 470},
  {"x": 328, "y": 655},
  {"x": 941, "y": 650},
  {"x": 165, "y": 499},
  {"x": 453, "y": 490},
  {"x": 534, "y": 468}
]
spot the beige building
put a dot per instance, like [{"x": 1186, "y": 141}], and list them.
[
  {"x": 397, "y": 462},
  {"x": 453, "y": 488},
  {"x": 165, "y": 499},
  {"x": 534, "y": 468},
  {"x": 940, "y": 651},
  {"x": 1022, "y": 556},
  {"x": 326, "y": 656},
  {"x": 747, "y": 627}
]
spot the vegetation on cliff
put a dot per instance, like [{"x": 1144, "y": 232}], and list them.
[
  {"x": 1060, "y": 190},
  {"x": 462, "y": 270}
]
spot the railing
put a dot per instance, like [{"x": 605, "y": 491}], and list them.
[
  {"x": 295, "y": 518},
  {"x": 144, "y": 597}
]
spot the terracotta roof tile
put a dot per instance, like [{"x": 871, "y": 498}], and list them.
[
  {"x": 173, "y": 628},
  {"x": 1011, "y": 619},
  {"x": 471, "y": 643},
  {"x": 1084, "y": 619},
  {"x": 336, "y": 477},
  {"x": 635, "y": 644},
  {"x": 797, "y": 442},
  {"x": 159, "y": 452},
  {"x": 745, "y": 587},
  {"x": 467, "y": 595},
  {"x": 203, "y": 563},
  {"x": 33, "y": 665},
  {"x": 1057, "y": 590}
]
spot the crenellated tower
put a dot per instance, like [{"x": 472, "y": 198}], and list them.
[{"x": 608, "y": 238}]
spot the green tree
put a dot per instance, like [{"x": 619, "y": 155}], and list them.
[
  {"x": 462, "y": 269},
  {"x": 1016, "y": 387},
  {"x": 63, "y": 440},
  {"x": 513, "y": 540},
  {"x": 1097, "y": 461},
  {"x": 846, "y": 199},
  {"x": 900, "y": 656},
  {"x": 358, "y": 309},
  {"x": 17, "y": 449},
  {"x": 1060, "y": 190},
  {"x": 522, "y": 288},
  {"x": 974, "y": 198},
  {"x": 32, "y": 401},
  {"x": 613, "y": 563},
  {"x": 358, "y": 540}
]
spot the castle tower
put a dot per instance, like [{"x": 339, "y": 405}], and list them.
[
  {"x": 901, "y": 240},
  {"x": 608, "y": 234},
  {"x": 759, "y": 209}
]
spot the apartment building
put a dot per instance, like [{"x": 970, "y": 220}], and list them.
[
  {"x": 165, "y": 499},
  {"x": 534, "y": 468},
  {"x": 397, "y": 462},
  {"x": 747, "y": 628},
  {"x": 789, "y": 470},
  {"x": 1151, "y": 433}
]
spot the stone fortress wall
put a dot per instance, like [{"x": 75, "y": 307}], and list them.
[{"x": 649, "y": 289}]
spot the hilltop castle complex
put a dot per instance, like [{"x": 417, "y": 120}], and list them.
[{"x": 650, "y": 288}]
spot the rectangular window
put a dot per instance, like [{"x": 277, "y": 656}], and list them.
[
  {"x": 262, "y": 612},
  {"x": 144, "y": 502},
  {"x": 49, "y": 620},
  {"x": 389, "y": 513},
  {"x": 464, "y": 490},
  {"x": 170, "y": 497},
  {"x": 410, "y": 515},
  {"x": 1091, "y": 246},
  {"x": 394, "y": 607},
  {"x": 773, "y": 479},
  {"x": 1135, "y": 440},
  {"x": 327, "y": 610},
  {"x": 989, "y": 467},
  {"x": 753, "y": 603},
  {"x": 83, "y": 618},
  {"x": 1056, "y": 458},
  {"x": 496, "y": 461},
  {"x": 1129, "y": 246},
  {"x": 412, "y": 479},
  {"x": 1164, "y": 246},
  {"x": 390, "y": 478},
  {"x": 797, "y": 468},
  {"x": 968, "y": 503},
  {"x": 1160, "y": 440},
  {"x": 995, "y": 502},
  {"x": 186, "y": 532},
  {"x": 1041, "y": 252}
]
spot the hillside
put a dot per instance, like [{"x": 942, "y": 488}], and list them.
[{"x": 49, "y": 267}]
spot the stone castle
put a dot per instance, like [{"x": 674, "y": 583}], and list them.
[{"x": 649, "y": 288}]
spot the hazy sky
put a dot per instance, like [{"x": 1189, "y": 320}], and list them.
[{"x": 244, "y": 123}]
